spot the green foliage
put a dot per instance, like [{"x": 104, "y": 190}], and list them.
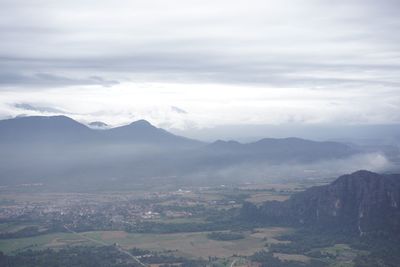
[
  {"x": 304, "y": 240},
  {"x": 384, "y": 252},
  {"x": 82, "y": 256},
  {"x": 24, "y": 232},
  {"x": 107, "y": 256},
  {"x": 381, "y": 250},
  {"x": 267, "y": 259}
]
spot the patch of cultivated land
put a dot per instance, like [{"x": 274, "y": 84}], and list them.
[
  {"x": 292, "y": 257},
  {"x": 112, "y": 235},
  {"x": 179, "y": 220},
  {"x": 187, "y": 244},
  {"x": 263, "y": 197},
  {"x": 12, "y": 227},
  {"x": 343, "y": 254},
  {"x": 40, "y": 242},
  {"x": 195, "y": 244}
]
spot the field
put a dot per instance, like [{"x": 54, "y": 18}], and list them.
[
  {"x": 344, "y": 254},
  {"x": 191, "y": 245},
  {"x": 266, "y": 196},
  {"x": 40, "y": 242}
]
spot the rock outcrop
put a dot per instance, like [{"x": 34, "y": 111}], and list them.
[{"x": 362, "y": 202}]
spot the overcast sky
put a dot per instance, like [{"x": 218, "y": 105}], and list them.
[{"x": 194, "y": 64}]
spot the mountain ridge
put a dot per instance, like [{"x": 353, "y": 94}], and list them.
[
  {"x": 61, "y": 148},
  {"x": 65, "y": 129}
]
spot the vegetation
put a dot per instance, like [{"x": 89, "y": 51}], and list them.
[
  {"x": 84, "y": 256},
  {"x": 371, "y": 250},
  {"x": 225, "y": 236},
  {"x": 267, "y": 259},
  {"x": 383, "y": 252},
  {"x": 108, "y": 256},
  {"x": 168, "y": 226}
]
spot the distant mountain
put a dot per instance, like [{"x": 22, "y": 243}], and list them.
[
  {"x": 360, "y": 203},
  {"x": 62, "y": 129},
  {"x": 281, "y": 150},
  {"x": 142, "y": 131},
  {"x": 41, "y": 129},
  {"x": 60, "y": 149}
]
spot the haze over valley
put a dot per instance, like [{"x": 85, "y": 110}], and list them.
[
  {"x": 257, "y": 133},
  {"x": 60, "y": 152}
]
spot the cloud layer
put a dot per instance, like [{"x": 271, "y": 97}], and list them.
[{"x": 259, "y": 61}]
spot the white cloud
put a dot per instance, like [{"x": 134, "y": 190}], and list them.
[
  {"x": 308, "y": 61},
  {"x": 210, "y": 104}
]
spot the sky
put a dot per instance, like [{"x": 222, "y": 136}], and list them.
[{"x": 197, "y": 64}]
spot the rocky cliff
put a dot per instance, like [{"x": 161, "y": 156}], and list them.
[{"x": 362, "y": 202}]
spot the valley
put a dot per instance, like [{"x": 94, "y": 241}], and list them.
[{"x": 201, "y": 225}]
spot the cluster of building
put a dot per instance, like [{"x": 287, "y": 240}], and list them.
[{"x": 78, "y": 210}]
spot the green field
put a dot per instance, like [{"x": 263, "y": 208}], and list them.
[
  {"x": 40, "y": 242},
  {"x": 187, "y": 244},
  {"x": 344, "y": 255}
]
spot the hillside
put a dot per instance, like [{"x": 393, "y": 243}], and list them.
[{"x": 360, "y": 203}]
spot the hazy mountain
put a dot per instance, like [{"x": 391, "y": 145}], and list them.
[
  {"x": 360, "y": 203},
  {"x": 62, "y": 129},
  {"x": 142, "y": 132},
  {"x": 282, "y": 150},
  {"x": 59, "y": 149},
  {"x": 371, "y": 134},
  {"x": 41, "y": 129}
]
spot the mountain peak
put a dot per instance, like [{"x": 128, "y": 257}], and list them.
[
  {"x": 363, "y": 173},
  {"x": 361, "y": 176},
  {"x": 59, "y": 120},
  {"x": 142, "y": 123},
  {"x": 42, "y": 129}
]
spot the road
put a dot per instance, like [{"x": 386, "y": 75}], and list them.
[
  {"x": 233, "y": 262},
  {"x": 105, "y": 244}
]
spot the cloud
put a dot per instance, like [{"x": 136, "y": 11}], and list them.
[
  {"x": 305, "y": 61},
  {"x": 266, "y": 172},
  {"x": 212, "y": 104},
  {"x": 49, "y": 80},
  {"x": 307, "y": 43},
  {"x": 178, "y": 110},
  {"x": 41, "y": 109}
]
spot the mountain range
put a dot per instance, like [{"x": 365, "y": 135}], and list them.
[
  {"x": 60, "y": 149},
  {"x": 64, "y": 130}
]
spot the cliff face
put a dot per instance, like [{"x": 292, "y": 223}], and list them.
[{"x": 362, "y": 202}]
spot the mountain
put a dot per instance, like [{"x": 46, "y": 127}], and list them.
[
  {"x": 61, "y": 129},
  {"x": 359, "y": 203},
  {"x": 142, "y": 132},
  {"x": 281, "y": 150},
  {"x": 42, "y": 129},
  {"x": 59, "y": 149}
]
